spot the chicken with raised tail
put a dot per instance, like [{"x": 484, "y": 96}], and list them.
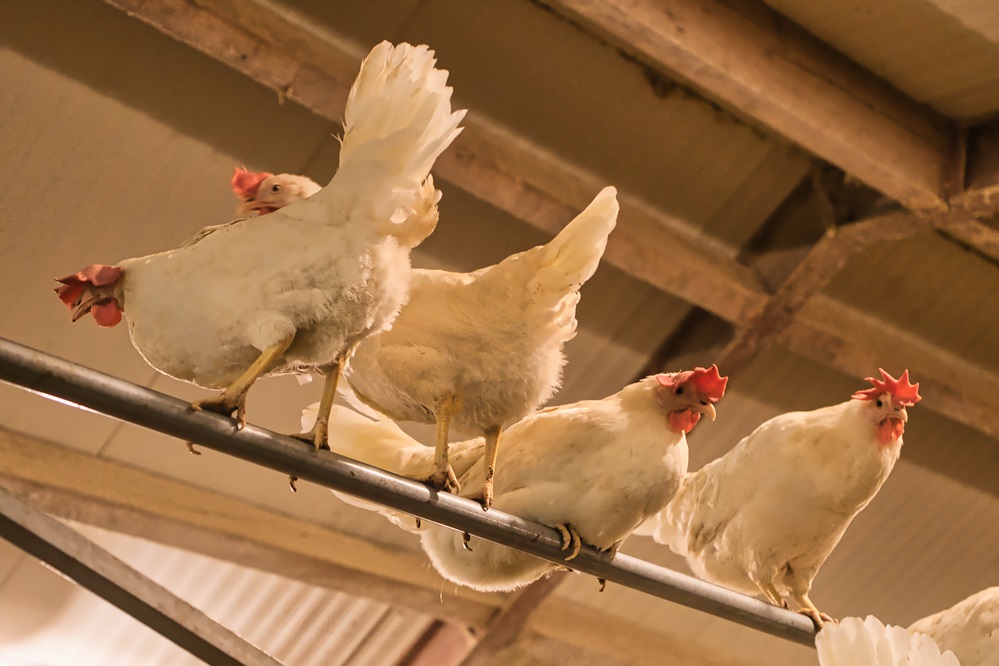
[
  {"x": 474, "y": 352},
  {"x": 300, "y": 287},
  {"x": 969, "y": 628},
  {"x": 594, "y": 470},
  {"x": 763, "y": 518},
  {"x": 856, "y": 642}
]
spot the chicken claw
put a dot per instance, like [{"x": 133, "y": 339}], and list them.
[
  {"x": 817, "y": 617},
  {"x": 221, "y": 405},
  {"x": 226, "y": 405},
  {"x": 808, "y": 609},
  {"x": 603, "y": 584},
  {"x": 570, "y": 537},
  {"x": 465, "y": 538},
  {"x": 445, "y": 481}
]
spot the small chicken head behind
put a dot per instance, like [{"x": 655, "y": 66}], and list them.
[
  {"x": 97, "y": 290},
  {"x": 684, "y": 396},
  {"x": 887, "y": 402},
  {"x": 264, "y": 192}
]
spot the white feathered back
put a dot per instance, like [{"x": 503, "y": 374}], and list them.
[
  {"x": 856, "y": 642},
  {"x": 970, "y": 628}
]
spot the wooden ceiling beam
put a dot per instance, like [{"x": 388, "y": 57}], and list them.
[
  {"x": 74, "y": 485},
  {"x": 276, "y": 47},
  {"x": 856, "y": 343},
  {"x": 764, "y": 68}
]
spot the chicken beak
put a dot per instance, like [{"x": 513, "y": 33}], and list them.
[
  {"x": 87, "y": 302},
  {"x": 708, "y": 410},
  {"x": 902, "y": 414}
]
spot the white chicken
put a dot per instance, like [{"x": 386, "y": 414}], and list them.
[
  {"x": 856, "y": 642},
  {"x": 478, "y": 351},
  {"x": 970, "y": 628},
  {"x": 298, "y": 288},
  {"x": 475, "y": 351},
  {"x": 594, "y": 470},
  {"x": 764, "y": 517}
]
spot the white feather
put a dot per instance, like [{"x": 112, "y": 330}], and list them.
[{"x": 856, "y": 642}]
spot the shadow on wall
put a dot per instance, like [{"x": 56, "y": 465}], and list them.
[{"x": 131, "y": 62}]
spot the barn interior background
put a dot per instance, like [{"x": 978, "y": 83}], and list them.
[{"x": 808, "y": 191}]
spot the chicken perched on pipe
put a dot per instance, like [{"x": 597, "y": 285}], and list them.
[
  {"x": 474, "y": 351},
  {"x": 594, "y": 470},
  {"x": 764, "y": 517},
  {"x": 301, "y": 287}
]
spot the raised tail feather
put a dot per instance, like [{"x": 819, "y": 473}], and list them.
[
  {"x": 571, "y": 258},
  {"x": 399, "y": 111},
  {"x": 856, "y": 642}
]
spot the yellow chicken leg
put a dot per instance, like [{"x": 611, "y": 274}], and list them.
[
  {"x": 318, "y": 435},
  {"x": 770, "y": 592},
  {"x": 233, "y": 398},
  {"x": 443, "y": 477},
  {"x": 491, "y": 451}
]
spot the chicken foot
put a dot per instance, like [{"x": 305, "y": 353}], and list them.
[
  {"x": 233, "y": 398},
  {"x": 318, "y": 435},
  {"x": 808, "y": 609},
  {"x": 443, "y": 476}
]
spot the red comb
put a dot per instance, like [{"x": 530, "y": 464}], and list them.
[
  {"x": 95, "y": 274},
  {"x": 706, "y": 381},
  {"x": 246, "y": 183},
  {"x": 901, "y": 391}
]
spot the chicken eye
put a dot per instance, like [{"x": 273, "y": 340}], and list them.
[
  {"x": 679, "y": 390},
  {"x": 879, "y": 403},
  {"x": 276, "y": 188}
]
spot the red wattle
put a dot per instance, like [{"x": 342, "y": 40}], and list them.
[
  {"x": 106, "y": 314},
  {"x": 889, "y": 430},
  {"x": 683, "y": 420}
]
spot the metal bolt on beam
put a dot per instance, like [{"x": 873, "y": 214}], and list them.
[{"x": 65, "y": 381}]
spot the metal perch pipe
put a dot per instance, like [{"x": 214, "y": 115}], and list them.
[{"x": 51, "y": 376}]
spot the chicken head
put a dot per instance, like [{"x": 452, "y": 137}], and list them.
[
  {"x": 685, "y": 396},
  {"x": 263, "y": 192},
  {"x": 888, "y": 400},
  {"x": 95, "y": 289}
]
